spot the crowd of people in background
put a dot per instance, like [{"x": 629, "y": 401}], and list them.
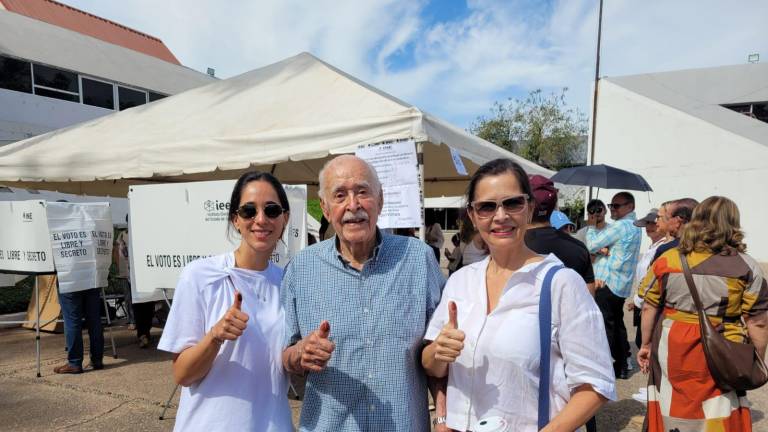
[
  {"x": 367, "y": 316},
  {"x": 681, "y": 394}
]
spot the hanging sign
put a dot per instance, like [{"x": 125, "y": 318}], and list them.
[
  {"x": 81, "y": 241},
  {"x": 397, "y": 168}
]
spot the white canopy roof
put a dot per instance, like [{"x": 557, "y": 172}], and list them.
[{"x": 287, "y": 117}]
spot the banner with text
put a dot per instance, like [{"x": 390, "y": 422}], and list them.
[
  {"x": 397, "y": 168},
  {"x": 171, "y": 225},
  {"x": 26, "y": 246},
  {"x": 81, "y": 241}
]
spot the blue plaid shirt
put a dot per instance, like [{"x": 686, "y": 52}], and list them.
[
  {"x": 622, "y": 238},
  {"x": 378, "y": 316}
]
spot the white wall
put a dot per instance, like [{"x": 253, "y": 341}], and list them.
[
  {"x": 23, "y": 115},
  {"x": 683, "y": 156}
]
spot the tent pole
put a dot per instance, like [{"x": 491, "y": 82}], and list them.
[
  {"x": 420, "y": 161},
  {"x": 37, "y": 327}
]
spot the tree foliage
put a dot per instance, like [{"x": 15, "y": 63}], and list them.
[{"x": 541, "y": 128}]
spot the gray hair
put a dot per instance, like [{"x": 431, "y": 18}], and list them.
[{"x": 372, "y": 176}]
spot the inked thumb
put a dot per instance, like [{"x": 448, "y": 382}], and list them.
[
  {"x": 324, "y": 330},
  {"x": 453, "y": 312},
  {"x": 238, "y": 304}
]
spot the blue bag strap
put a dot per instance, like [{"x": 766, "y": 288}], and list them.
[{"x": 545, "y": 343}]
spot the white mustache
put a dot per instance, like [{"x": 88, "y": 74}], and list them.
[{"x": 360, "y": 214}]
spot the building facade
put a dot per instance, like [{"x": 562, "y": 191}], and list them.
[
  {"x": 692, "y": 133},
  {"x": 60, "y": 66}
]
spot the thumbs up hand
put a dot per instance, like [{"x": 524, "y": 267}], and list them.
[
  {"x": 316, "y": 349},
  {"x": 450, "y": 341},
  {"x": 232, "y": 325}
]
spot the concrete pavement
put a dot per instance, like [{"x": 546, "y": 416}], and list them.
[{"x": 128, "y": 394}]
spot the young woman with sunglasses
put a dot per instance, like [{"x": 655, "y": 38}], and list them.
[
  {"x": 226, "y": 324},
  {"x": 485, "y": 334}
]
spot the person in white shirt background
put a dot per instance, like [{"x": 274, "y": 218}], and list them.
[
  {"x": 484, "y": 333},
  {"x": 434, "y": 237},
  {"x": 226, "y": 325}
]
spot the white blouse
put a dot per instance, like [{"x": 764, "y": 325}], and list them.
[{"x": 497, "y": 373}]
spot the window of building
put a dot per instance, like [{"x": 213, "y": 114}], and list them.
[
  {"x": 41, "y": 80},
  {"x": 156, "y": 96},
  {"x": 130, "y": 98},
  {"x": 756, "y": 110},
  {"x": 98, "y": 93},
  {"x": 56, "y": 83},
  {"x": 15, "y": 75}
]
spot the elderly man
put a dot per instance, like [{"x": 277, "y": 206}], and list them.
[
  {"x": 677, "y": 214},
  {"x": 357, "y": 306},
  {"x": 614, "y": 279}
]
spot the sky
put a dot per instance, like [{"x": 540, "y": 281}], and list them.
[{"x": 454, "y": 58}]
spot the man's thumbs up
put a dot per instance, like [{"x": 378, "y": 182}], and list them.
[
  {"x": 324, "y": 330},
  {"x": 450, "y": 341},
  {"x": 316, "y": 349}
]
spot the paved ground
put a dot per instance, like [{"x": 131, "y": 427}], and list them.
[{"x": 128, "y": 394}]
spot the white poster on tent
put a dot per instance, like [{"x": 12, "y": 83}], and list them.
[
  {"x": 26, "y": 245},
  {"x": 397, "y": 168},
  {"x": 81, "y": 241},
  {"x": 174, "y": 224}
]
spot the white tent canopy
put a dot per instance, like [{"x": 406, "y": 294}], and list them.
[{"x": 288, "y": 118}]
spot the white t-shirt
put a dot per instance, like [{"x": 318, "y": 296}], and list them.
[
  {"x": 246, "y": 388},
  {"x": 642, "y": 268},
  {"x": 497, "y": 373}
]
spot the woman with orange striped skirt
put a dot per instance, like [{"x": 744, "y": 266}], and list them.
[{"x": 682, "y": 396}]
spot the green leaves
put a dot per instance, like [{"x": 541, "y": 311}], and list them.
[{"x": 541, "y": 128}]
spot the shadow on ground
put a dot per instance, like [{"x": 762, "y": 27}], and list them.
[{"x": 626, "y": 414}]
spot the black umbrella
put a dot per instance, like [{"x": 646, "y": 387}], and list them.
[{"x": 601, "y": 176}]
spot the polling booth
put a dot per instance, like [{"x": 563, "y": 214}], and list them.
[
  {"x": 174, "y": 224},
  {"x": 72, "y": 241},
  {"x": 118, "y": 208}
]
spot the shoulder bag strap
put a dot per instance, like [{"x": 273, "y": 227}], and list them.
[
  {"x": 691, "y": 284},
  {"x": 545, "y": 344}
]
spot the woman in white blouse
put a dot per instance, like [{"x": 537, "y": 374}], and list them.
[
  {"x": 226, "y": 325},
  {"x": 485, "y": 334}
]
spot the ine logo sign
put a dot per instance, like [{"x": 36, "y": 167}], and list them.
[{"x": 215, "y": 210}]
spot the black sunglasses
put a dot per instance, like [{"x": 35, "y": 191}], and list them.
[
  {"x": 511, "y": 205},
  {"x": 249, "y": 210},
  {"x": 594, "y": 210},
  {"x": 613, "y": 206}
]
